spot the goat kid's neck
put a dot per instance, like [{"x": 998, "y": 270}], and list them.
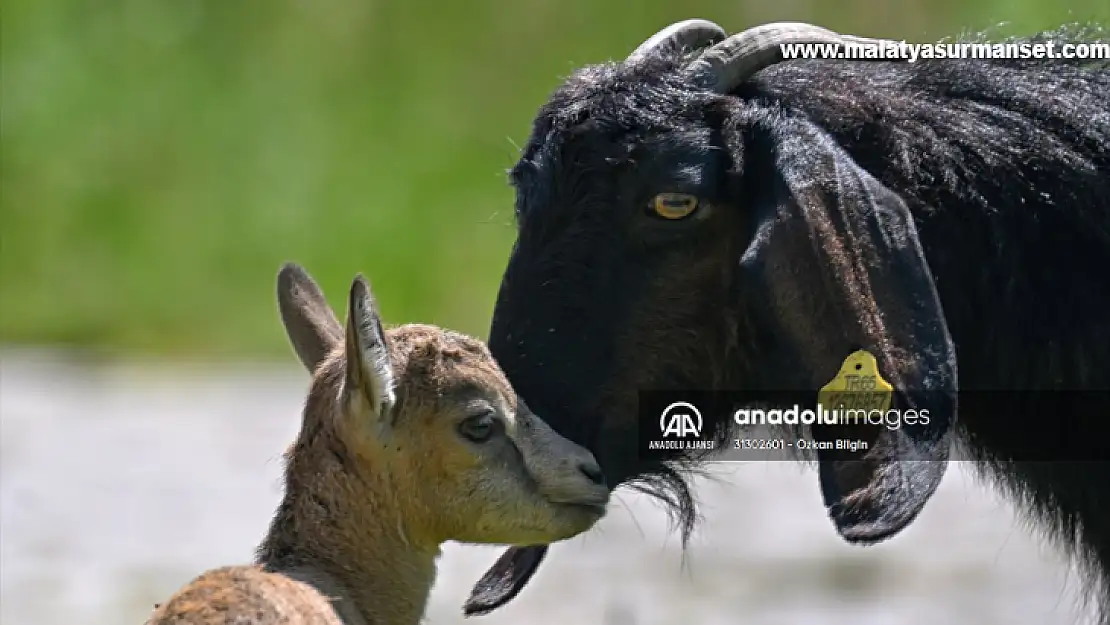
[{"x": 359, "y": 552}]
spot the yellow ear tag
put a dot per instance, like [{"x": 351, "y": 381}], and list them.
[{"x": 858, "y": 385}]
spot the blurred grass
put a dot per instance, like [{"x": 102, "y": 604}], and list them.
[{"x": 161, "y": 158}]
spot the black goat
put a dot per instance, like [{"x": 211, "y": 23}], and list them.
[{"x": 701, "y": 216}]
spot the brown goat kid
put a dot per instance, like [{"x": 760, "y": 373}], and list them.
[{"x": 410, "y": 437}]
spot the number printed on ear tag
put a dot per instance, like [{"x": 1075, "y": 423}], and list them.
[{"x": 858, "y": 385}]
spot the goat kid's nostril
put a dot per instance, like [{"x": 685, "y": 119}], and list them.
[{"x": 592, "y": 471}]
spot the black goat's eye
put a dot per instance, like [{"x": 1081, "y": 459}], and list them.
[
  {"x": 479, "y": 428},
  {"x": 674, "y": 205}
]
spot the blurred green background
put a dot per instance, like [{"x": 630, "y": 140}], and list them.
[{"x": 161, "y": 158}]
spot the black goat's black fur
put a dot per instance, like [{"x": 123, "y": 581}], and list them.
[
  {"x": 1005, "y": 165},
  {"x": 1010, "y": 160}
]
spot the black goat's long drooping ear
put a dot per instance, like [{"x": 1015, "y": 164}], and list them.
[
  {"x": 837, "y": 257},
  {"x": 504, "y": 580}
]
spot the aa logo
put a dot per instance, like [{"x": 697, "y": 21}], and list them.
[{"x": 680, "y": 419}]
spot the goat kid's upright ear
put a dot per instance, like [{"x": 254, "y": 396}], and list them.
[
  {"x": 838, "y": 258},
  {"x": 369, "y": 377},
  {"x": 309, "y": 322}
]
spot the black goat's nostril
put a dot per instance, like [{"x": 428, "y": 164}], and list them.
[{"x": 592, "y": 471}]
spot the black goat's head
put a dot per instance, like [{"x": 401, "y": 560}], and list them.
[{"x": 675, "y": 236}]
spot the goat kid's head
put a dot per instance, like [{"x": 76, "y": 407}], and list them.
[
  {"x": 673, "y": 234},
  {"x": 423, "y": 420}
]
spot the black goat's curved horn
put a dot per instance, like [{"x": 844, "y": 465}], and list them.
[
  {"x": 687, "y": 34},
  {"x": 729, "y": 63}
]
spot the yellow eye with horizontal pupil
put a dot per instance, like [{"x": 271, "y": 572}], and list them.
[{"x": 674, "y": 205}]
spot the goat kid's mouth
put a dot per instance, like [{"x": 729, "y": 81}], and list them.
[
  {"x": 596, "y": 509},
  {"x": 596, "y": 506}
]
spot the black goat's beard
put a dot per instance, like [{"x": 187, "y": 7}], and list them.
[
  {"x": 670, "y": 482},
  {"x": 726, "y": 369}
]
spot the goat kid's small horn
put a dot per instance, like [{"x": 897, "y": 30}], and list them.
[
  {"x": 729, "y": 63},
  {"x": 688, "y": 34}
]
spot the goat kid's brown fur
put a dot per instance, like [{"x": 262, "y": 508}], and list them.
[{"x": 371, "y": 493}]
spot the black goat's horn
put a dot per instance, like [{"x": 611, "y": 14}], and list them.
[
  {"x": 729, "y": 63},
  {"x": 688, "y": 34}
]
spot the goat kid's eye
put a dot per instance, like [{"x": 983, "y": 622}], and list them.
[
  {"x": 479, "y": 428},
  {"x": 674, "y": 205}
]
